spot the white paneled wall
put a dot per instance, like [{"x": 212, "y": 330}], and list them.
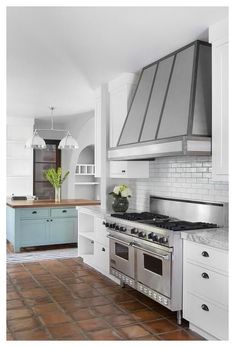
[
  {"x": 19, "y": 159},
  {"x": 177, "y": 177}
]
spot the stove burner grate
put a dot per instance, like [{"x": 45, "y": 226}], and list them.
[
  {"x": 184, "y": 225},
  {"x": 143, "y": 216}
]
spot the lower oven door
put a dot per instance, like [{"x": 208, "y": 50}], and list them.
[
  {"x": 121, "y": 256},
  {"x": 153, "y": 269}
]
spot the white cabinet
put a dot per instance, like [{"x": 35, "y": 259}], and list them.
[
  {"x": 93, "y": 244},
  {"x": 19, "y": 159},
  {"x": 120, "y": 94},
  {"x": 129, "y": 169},
  {"x": 218, "y": 35},
  {"x": 205, "y": 290}
]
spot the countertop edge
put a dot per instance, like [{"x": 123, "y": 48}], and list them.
[
  {"x": 63, "y": 203},
  {"x": 216, "y": 238}
]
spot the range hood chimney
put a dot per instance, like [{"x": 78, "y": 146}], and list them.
[{"x": 170, "y": 113}]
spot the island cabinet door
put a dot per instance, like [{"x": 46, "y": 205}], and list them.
[
  {"x": 63, "y": 230},
  {"x": 33, "y": 232}
]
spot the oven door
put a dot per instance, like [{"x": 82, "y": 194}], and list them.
[
  {"x": 121, "y": 256},
  {"x": 153, "y": 269}
]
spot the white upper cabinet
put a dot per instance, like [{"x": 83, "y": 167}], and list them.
[
  {"x": 218, "y": 35},
  {"x": 121, "y": 90},
  {"x": 129, "y": 169}
]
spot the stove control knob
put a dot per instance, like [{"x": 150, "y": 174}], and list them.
[
  {"x": 161, "y": 239},
  {"x": 107, "y": 225},
  {"x": 116, "y": 227},
  {"x": 141, "y": 234},
  {"x": 151, "y": 236},
  {"x": 165, "y": 240},
  {"x": 134, "y": 231},
  {"x": 122, "y": 229},
  {"x": 156, "y": 238}
]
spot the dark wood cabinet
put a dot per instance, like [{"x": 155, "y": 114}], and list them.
[{"x": 43, "y": 159}]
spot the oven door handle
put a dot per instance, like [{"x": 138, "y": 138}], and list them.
[
  {"x": 118, "y": 240},
  {"x": 162, "y": 256}
]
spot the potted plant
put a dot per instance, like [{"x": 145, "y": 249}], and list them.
[
  {"x": 55, "y": 178},
  {"x": 120, "y": 193}
]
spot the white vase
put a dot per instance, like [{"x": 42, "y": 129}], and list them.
[{"x": 57, "y": 194}]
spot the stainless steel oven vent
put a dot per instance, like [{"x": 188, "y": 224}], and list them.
[{"x": 170, "y": 113}]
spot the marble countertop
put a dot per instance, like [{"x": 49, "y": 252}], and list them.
[
  {"x": 94, "y": 210},
  {"x": 217, "y": 238}
]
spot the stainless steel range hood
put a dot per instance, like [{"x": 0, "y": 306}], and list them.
[{"x": 170, "y": 113}]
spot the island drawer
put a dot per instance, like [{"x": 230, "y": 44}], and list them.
[
  {"x": 35, "y": 213},
  {"x": 64, "y": 212}
]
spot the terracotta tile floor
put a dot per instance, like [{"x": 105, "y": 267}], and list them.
[{"x": 67, "y": 300}]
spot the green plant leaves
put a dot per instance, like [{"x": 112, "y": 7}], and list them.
[{"x": 55, "y": 176}]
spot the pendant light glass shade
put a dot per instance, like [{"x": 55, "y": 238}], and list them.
[
  {"x": 35, "y": 142},
  {"x": 68, "y": 142}
]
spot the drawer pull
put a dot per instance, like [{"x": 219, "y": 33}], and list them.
[
  {"x": 34, "y": 212},
  {"x": 205, "y": 254},
  {"x": 205, "y": 275},
  {"x": 205, "y": 307},
  {"x": 64, "y": 211},
  {"x": 123, "y": 171},
  {"x": 103, "y": 249}
]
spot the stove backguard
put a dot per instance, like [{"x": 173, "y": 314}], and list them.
[{"x": 192, "y": 211}]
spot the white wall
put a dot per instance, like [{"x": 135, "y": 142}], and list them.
[
  {"x": 82, "y": 130},
  {"x": 177, "y": 177},
  {"x": 19, "y": 159}
]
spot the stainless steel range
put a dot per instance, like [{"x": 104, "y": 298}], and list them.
[{"x": 146, "y": 248}]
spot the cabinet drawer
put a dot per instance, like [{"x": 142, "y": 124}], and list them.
[
  {"x": 100, "y": 232},
  {"x": 63, "y": 212},
  {"x": 206, "y": 283},
  {"x": 207, "y": 256},
  {"x": 34, "y": 213},
  {"x": 214, "y": 320},
  {"x": 101, "y": 257}
]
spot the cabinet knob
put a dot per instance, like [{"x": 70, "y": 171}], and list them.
[
  {"x": 103, "y": 249},
  {"x": 48, "y": 220},
  {"x": 205, "y": 254},
  {"x": 34, "y": 212},
  {"x": 51, "y": 220},
  {"x": 64, "y": 211},
  {"x": 205, "y": 307},
  {"x": 205, "y": 275}
]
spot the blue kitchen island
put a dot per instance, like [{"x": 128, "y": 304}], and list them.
[{"x": 43, "y": 222}]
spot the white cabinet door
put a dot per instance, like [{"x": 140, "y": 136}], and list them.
[
  {"x": 129, "y": 169},
  {"x": 220, "y": 112},
  {"x": 101, "y": 257},
  {"x": 100, "y": 231}
]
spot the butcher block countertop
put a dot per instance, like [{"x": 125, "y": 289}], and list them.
[{"x": 50, "y": 203}]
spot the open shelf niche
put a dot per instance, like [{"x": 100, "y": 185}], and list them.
[{"x": 86, "y": 185}]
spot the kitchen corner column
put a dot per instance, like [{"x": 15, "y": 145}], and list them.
[{"x": 101, "y": 139}]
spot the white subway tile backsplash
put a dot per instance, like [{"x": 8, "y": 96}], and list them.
[{"x": 176, "y": 177}]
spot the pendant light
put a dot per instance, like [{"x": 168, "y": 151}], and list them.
[
  {"x": 37, "y": 142},
  {"x": 68, "y": 142}
]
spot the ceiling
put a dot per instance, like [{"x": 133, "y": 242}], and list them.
[{"x": 59, "y": 55}]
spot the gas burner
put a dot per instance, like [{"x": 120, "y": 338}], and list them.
[
  {"x": 141, "y": 217},
  {"x": 184, "y": 225}
]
